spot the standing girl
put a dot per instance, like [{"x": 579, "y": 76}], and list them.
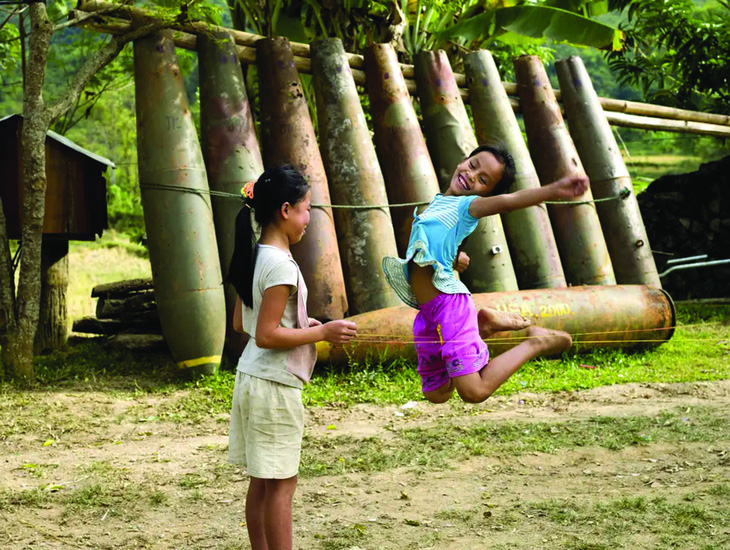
[
  {"x": 267, "y": 416},
  {"x": 448, "y": 331}
]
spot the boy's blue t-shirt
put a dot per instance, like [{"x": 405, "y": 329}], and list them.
[{"x": 435, "y": 238}]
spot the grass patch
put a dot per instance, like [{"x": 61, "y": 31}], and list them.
[
  {"x": 94, "y": 495},
  {"x": 698, "y": 351},
  {"x": 157, "y": 497},
  {"x": 435, "y": 448},
  {"x": 90, "y": 364},
  {"x": 28, "y": 498},
  {"x": 455, "y": 514},
  {"x": 38, "y": 471},
  {"x": 341, "y": 537},
  {"x": 722, "y": 490},
  {"x": 615, "y": 523},
  {"x": 191, "y": 481},
  {"x": 396, "y": 382}
]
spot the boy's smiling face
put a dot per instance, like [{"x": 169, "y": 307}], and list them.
[{"x": 476, "y": 175}]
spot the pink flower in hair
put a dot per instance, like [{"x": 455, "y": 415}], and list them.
[{"x": 248, "y": 189}]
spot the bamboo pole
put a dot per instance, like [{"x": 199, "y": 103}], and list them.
[
  {"x": 365, "y": 236},
  {"x": 577, "y": 230},
  {"x": 666, "y": 125},
  {"x": 231, "y": 153},
  {"x": 401, "y": 148},
  {"x": 650, "y": 117},
  {"x": 623, "y": 228},
  {"x": 529, "y": 233},
  {"x": 287, "y": 137},
  {"x": 180, "y": 228}
]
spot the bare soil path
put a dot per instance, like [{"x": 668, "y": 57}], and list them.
[{"x": 100, "y": 470}]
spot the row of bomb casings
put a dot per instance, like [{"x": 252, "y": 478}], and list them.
[{"x": 181, "y": 234}]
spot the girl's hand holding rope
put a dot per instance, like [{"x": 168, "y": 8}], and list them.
[{"x": 339, "y": 332}]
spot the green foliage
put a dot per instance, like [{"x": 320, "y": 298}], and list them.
[
  {"x": 9, "y": 50},
  {"x": 430, "y": 24},
  {"x": 535, "y": 21},
  {"x": 597, "y": 67},
  {"x": 356, "y": 22},
  {"x": 677, "y": 52}
]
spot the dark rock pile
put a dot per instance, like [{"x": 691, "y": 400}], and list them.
[{"x": 687, "y": 215}]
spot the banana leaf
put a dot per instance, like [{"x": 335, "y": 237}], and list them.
[{"x": 536, "y": 21}]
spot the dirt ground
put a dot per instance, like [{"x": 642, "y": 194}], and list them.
[{"x": 98, "y": 470}]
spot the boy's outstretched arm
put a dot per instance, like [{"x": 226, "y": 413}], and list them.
[{"x": 568, "y": 187}]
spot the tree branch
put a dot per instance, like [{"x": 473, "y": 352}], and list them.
[
  {"x": 8, "y": 18},
  {"x": 85, "y": 16},
  {"x": 85, "y": 106},
  {"x": 95, "y": 63}
]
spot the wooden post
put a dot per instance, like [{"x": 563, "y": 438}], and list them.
[{"x": 52, "y": 331}]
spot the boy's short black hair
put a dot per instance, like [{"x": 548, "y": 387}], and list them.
[{"x": 503, "y": 156}]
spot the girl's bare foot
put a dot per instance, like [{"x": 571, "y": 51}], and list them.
[
  {"x": 491, "y": 321},
  {"x": 549, "y": 342}
]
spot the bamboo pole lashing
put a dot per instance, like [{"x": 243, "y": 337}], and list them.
[{"x": 635, "y": 114}]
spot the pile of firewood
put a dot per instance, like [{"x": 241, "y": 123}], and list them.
[
  {"x": 125, "y": 311},
  {"x": 688, "y": 215}
]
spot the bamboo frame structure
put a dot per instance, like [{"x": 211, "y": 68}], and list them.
[{"x": 623, "y": 113}]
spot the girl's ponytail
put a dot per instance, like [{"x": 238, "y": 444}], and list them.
[{"x": 240, "y": 272}]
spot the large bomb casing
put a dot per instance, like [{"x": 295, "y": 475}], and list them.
[
  {"x": 577, "y": 230},
  {"x": 404, "y": 159},
  {"x": 450, "y": 139},
  {"x": 531, "y": 241},
  {"x": 287, "y": 137},
  {"x": 624, "y": 316},
  {"x": 366, "y": 235},
  {"x": 230, "y": 149},
  {"x": 623, "y": 228},
  {"x": 180, "y": 230}
]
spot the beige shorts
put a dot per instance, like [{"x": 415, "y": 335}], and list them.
[{"x": 267, "y": 424}]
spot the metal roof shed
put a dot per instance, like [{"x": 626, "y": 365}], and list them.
[
  {"x": 76, "y": 192},
  {"x": 75, "y": 211}
]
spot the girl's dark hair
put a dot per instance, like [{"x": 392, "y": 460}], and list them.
[
  {"x": 274, "y": 187},
  {"x": 502, "y": 155}
]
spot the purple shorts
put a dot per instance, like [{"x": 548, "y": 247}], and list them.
[{"x": 447, "y": 340}]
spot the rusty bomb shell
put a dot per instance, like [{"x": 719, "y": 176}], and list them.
[
  {"x": 180, "y": 230},
  {"x": 365, "y": 236},
  {"x": 287, "y": 137},
  {"x": 450, "y": 139},
  {"x": 230, "y": 149},
  {"x": 577, "y": 229},
  {"x": 625, "y": 316},
  {"x": 404, "y": 159},
  {"x": 529, "y": 234},
  {"x": 621, "y": 221}
]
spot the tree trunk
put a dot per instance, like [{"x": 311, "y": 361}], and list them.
[
  {"x": 18, "y": 349},
  {"x": 52, "y": 331},
  {"x": 7, "y": 281}
]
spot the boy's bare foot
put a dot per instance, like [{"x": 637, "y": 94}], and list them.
[
  {"x": 549, "y": 342},
  {"x": 490, "y": 321}
]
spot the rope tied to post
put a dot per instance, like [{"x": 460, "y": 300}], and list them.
[{"x": 623, "y": 194}]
